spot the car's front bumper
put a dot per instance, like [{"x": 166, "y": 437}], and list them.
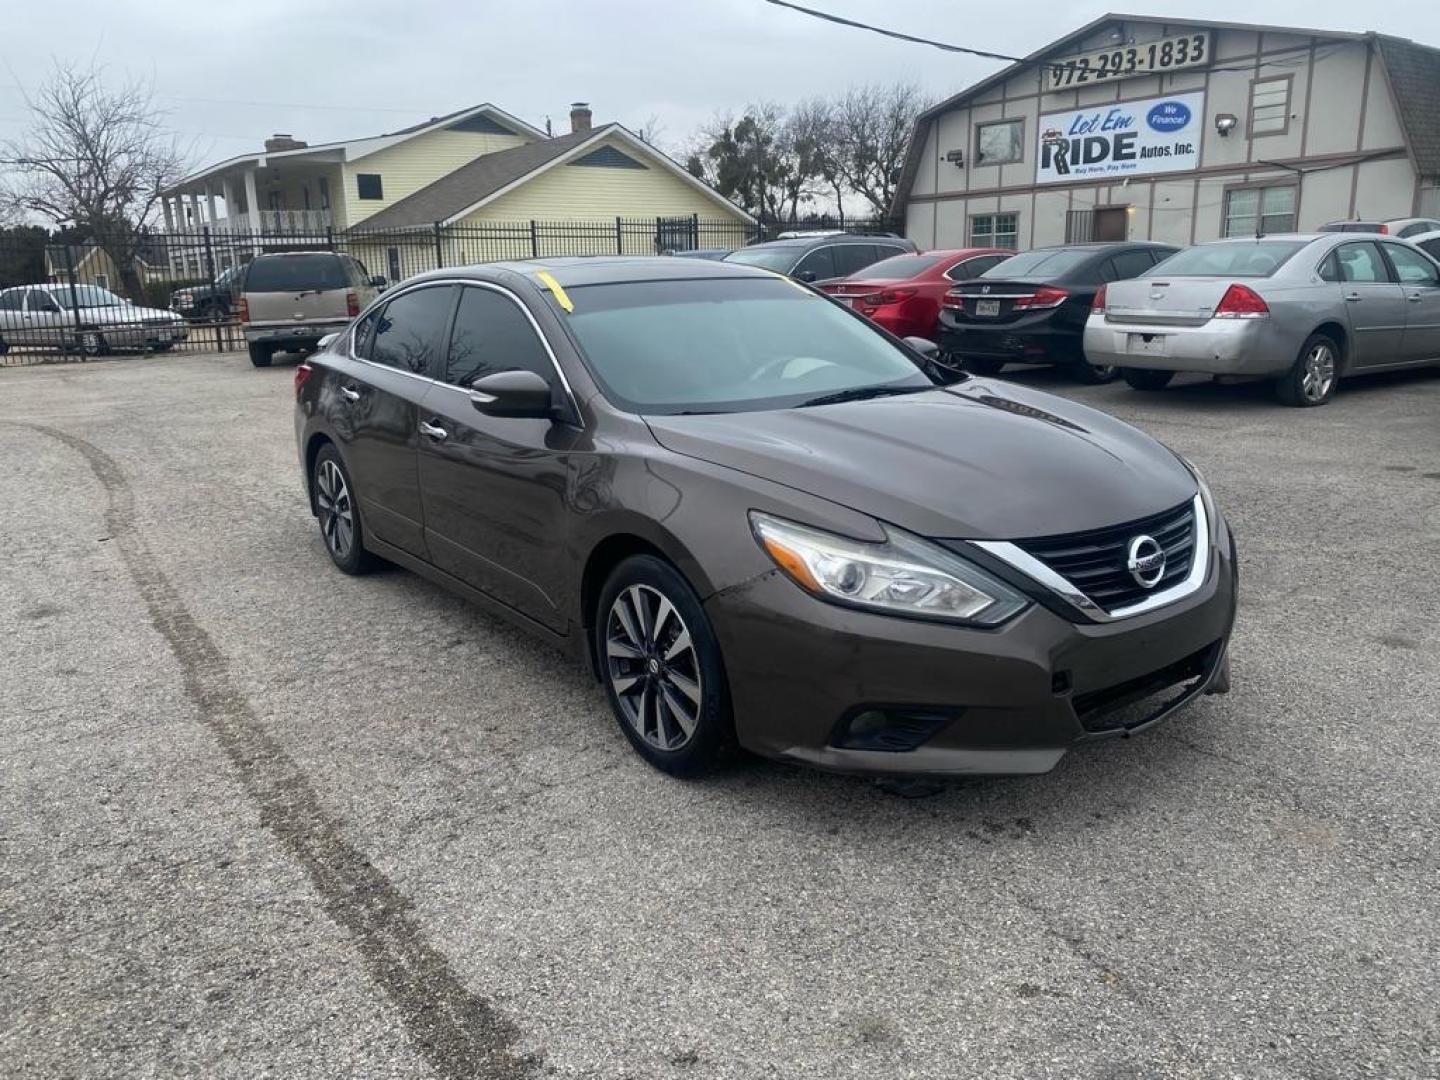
[
  {"x": 1218, "y": 347},
  {"x": 1005, "y": 701}
]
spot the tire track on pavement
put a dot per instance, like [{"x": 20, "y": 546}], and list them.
[{"x": 458, "y": 1032}]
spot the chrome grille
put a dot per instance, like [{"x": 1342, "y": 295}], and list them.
[{"x": 1095, "y": 561}]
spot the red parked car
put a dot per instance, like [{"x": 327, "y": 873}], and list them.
[{"x": 903, "y": 293}]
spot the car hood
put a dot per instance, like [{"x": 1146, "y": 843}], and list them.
[{"x": 984, "y": 460}]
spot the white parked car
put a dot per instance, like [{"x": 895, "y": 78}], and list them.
[{"x": 86, "y": 318}]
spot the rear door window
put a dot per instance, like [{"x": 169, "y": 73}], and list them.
[
  {"x": 410, "y": 331},
  {"x": 820, "y": 263},
  {"x": 852, "y": 257},
  {"x": 1361, "y": 264},
  {"x": 492, "y": 334},
  {"x": 296, "y": 273}
]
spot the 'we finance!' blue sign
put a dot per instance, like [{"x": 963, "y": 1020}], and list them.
[{"x": 1132, "y": 138}]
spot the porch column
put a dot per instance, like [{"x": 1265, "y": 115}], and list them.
[
  {"x": 227, "y": 192},
  {"x": 252, "y": 202},
  {"x": 169, "y": 214},
  {"x": 195, "y": 221},
  {"x": 209, "y": 204}
]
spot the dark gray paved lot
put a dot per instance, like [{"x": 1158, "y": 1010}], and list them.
[{"x": 259, "y": 819}]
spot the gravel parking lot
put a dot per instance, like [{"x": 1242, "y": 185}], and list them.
[{"x": 260, "y": 819}]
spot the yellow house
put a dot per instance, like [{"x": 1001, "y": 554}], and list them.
[{"x": 476, "y": 166}]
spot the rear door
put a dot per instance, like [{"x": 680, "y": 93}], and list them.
[
  {"x": 818, "y": 265},
  {"x": 494, "y": 488},
  {"x": 850, "y": 258},
  {"x": 395, "y": 352},
  {"x": 1420, "y": 282},
  {"x": 45, "y": 320},
  {"x": 1375, "y": 304}
]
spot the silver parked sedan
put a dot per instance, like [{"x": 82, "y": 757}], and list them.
[
  {"x": 1303, "y": 310},
  {"x": 86, "y": 318}
]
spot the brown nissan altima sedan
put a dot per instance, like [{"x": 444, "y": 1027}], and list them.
[{"x": 764, "y": 521}]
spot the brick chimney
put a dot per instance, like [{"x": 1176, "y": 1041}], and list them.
[
  {"x": 278, "y": 142},
  {"x": 580, "y": 116}
]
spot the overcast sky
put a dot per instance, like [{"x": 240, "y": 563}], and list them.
[{"x": 231, "y": 74}]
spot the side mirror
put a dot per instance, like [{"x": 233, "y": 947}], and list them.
[
  {"x": 378, "y": 282},
  {"x": 327, "y": 341},
  {"x": 518, "y": 394},
  {"x": 924, "y": 346},
  {"x": 806, "y": 276}
]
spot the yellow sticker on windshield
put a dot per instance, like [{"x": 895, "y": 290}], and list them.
[{"x": 560, "y": 295}]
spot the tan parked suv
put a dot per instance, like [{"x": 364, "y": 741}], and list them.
[{"x": 290, "y": 300}]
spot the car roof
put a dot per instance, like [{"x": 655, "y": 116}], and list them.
[
  {"x": 798, "y": 242},
  {"x": 293, "y": 254},
  {"x": 579, "y": 270}
]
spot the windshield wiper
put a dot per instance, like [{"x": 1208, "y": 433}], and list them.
[{"x": 860, "y": 393}]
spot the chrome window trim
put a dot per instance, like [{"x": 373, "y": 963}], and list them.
[
  {"x": 469, "y": 283},
  {"x": 1020, "y": 559}
]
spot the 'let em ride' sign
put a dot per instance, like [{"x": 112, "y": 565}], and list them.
[{"x": 1133, "y": 138}]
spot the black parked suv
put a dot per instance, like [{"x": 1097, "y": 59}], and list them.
[
  {"x": 821, "y": 257},
  {"x": 1031, "y": 309},
  {"x": 208, "y": 302}
]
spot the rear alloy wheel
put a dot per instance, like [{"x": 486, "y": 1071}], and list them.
[
  {"x": 1147, "y": 378},
  {"x": 339, "y": 517},
  {"x": 92, "y": 343},
  {"x": 979, "y": 366},
  {"x": 661, "y": 666},
  {"x": 261, "y": 354},
  {"x": 1312, "y": 379},
  {"x": 1094, "y": 374}
]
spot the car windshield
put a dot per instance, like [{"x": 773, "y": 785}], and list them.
[
  {"x": 85, "y": 296},
  {"x": 1258, "y": 258},
  {"x": 780, "y": 259},
  {"x": 720, "y": 345},
  {"x": 297, "y": 273},
  {"x": 1045, "y": 263},
  {"x": 900, "y": 266}
]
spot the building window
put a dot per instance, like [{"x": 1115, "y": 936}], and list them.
[
  {"x": 367, "y": 186},
  {"x": 995, "y": 230},
  {"x": 324, "y": 193},
  {"x": 392, "y": 263},
  {"x": 103, "y": 280},
  {"x": 1270, "y": 106},
  {"x": 1000, "y": 142},
  {"x": 1258, "y": 211}
]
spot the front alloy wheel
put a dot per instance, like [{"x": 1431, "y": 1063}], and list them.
[{"x": 661, "y": 666}]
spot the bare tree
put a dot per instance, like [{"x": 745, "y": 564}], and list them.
[
  {"x": 651, "y": 131},
  {"x": 759, "y": 161},
  {"x": 811, "y": 127},
  {"x": 872, "y": 126},
  {"x": 93, "y": 160}
]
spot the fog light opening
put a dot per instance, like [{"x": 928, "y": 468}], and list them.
[{"x": 891, "y": 729}]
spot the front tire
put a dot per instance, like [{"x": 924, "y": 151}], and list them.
[
  {"x": 261, "y": 353},
  {"x": 92, "y": 343},
  {"x": 662, "y": 669},
  {"x": 338, "y": 512},
  {"x": 1147, "y": 378},
  {"x": 1313, "y": 377}
]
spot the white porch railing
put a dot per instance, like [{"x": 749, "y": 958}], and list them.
[{"x": 308, "y": 222}]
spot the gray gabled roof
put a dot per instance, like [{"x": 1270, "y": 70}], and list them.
[{"x": 1414, "y": 73}]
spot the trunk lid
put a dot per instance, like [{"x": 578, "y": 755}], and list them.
[
  {"x": 1162, "y": 301},
  {"x": 985, "y": 301}
]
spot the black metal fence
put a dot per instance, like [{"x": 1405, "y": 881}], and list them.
[{"x": 65, "y": 297}]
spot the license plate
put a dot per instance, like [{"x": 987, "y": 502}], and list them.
[
  {"x": 987, "y": 308},
  {"x": 1147, "y": 343}
]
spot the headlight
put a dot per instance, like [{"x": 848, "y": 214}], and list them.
[
  {"x": 905, "y": 575},
  {"x": 1212, "y": 513}
]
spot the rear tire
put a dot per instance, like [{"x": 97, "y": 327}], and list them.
[
  {"x": 1313, "y": 377},
  {"x": 1094, "y": 374},
  {"x": 979, "y": 366},
  {"x": 93, "y": 343},
  {"x": 261, "y": 354},
  {"x": 661, "y": 666},
  {"x": 338, "y": 511},
  {"x": 1146, "y": 378}
]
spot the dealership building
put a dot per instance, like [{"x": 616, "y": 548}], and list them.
[{"x": 1152, "y": 129}]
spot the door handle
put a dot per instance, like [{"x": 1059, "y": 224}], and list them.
[
  {"x": 1415, "y": 298},
  {"x": 1352, "y": 297},
  {"x": 439, "y": 434},
  {"x": 349, "y": 393}
]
